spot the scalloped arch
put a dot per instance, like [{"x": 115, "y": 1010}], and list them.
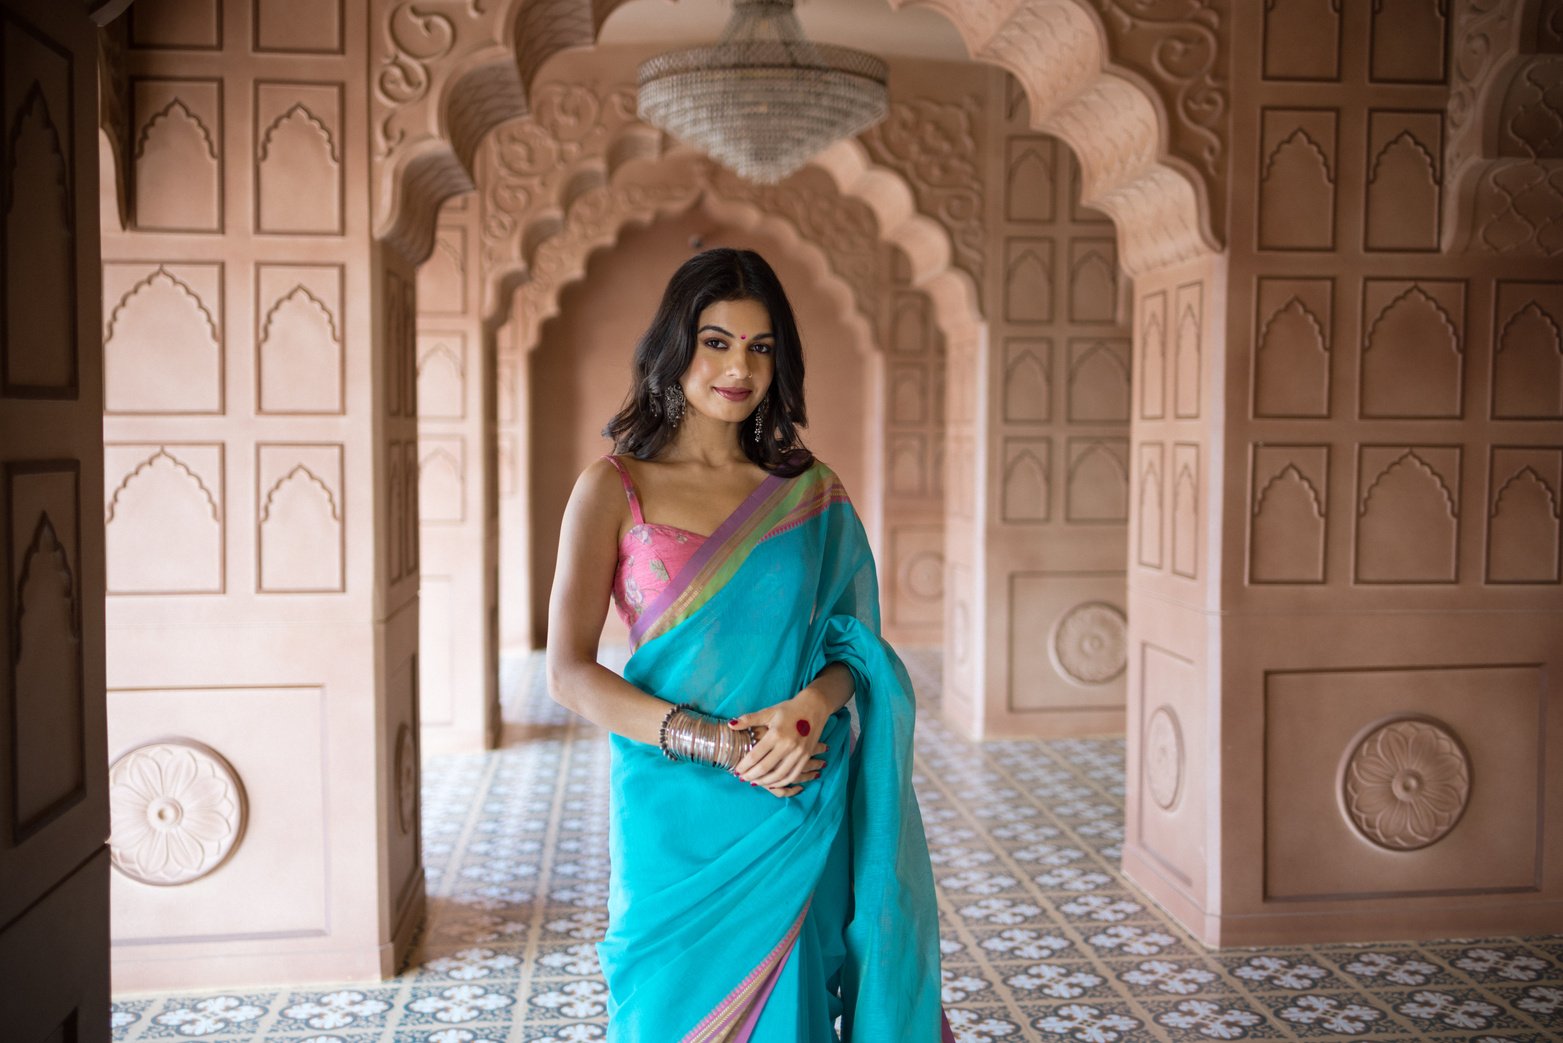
[{"x": 446, "y": 89}]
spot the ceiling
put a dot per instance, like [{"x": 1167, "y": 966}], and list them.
[{"x": 869, "y": 25}]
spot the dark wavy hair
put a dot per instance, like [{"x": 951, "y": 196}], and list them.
[{"x": 665, "y": 350}]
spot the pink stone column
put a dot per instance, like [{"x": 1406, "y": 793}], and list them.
[
  {"x": 1040, "y": 466},
  {"x": 54, "y": 865},
  {"x": 457, "y": 506},
  {"x": 1345, "y": 599},
  {"x": 261, "y": 493}
]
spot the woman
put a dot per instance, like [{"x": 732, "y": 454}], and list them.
[{"x": 769, "y": 870}]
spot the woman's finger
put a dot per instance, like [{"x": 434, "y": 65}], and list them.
[{"x": 781, "y": 770}]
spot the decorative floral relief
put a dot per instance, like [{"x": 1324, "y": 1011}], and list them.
[
  {"x": 933, "y": 146},
  {"x": 1407, "y": 784},
  {"x": 415, "y": 38},
  {"x": 1090, "y": 643},
  {"x": 1164, "y": 757},
  {"x": 176, "y": 811}
]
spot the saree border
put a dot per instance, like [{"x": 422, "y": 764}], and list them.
[
  {"x": 736, "y": 1003},
  {"x": 777, "y": 505}
]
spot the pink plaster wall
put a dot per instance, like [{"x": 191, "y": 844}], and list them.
[{"x": 580, "y": 370}]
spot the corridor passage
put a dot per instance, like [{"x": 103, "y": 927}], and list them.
[{"x": 1043, "y": 938}]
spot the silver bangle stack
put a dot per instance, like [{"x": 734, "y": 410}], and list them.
[{"x": 689, "y": 735}]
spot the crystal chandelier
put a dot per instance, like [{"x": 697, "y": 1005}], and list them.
[{"x": 763, "y": 99}]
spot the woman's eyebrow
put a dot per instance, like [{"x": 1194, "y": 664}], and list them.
[{"x": 727, "y": 333}]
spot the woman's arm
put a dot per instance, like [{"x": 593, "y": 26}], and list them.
[{"x": 583, "y": 578}]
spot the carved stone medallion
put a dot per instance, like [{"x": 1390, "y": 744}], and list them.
[
  {"x": 925, "y": 576},
  {"x": 406, "y": 779},
  {"x": 1090, "y": 644},
  {"x": 176, "y": 812},
  {"x": 1163, "y": 758},
  {"x": 1407, "y": 783}
]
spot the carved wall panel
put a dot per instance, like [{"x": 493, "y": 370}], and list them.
[
  {"x": 1527, "y": 378},
  {"x": 1448, "y": 804},
  {"x": 1093, "y": 280},
  {"x": 1186, "y": 498},
  {"x": 442, "y": 279},
  {"x": 1171, "y": 818},
  {"x": 177, "y": 165},
  {"x": 301, "y": 365},
  {"x": 1030, "y": 169},
  {"x": 1186, "y": 387},
  {"x": 1408, "y": 41},
  {"x": 1302, "y": 39},
  {"x": 1150, "y": 505},
  {"x": 1025, "y": 496},
  {"x": 1028, "y": 280},
  {"x": 1297, "y": 180},
  {"x": 298, "y": 26},
  {"x": 1028, "y": 391},
  {"x": 1524, "y": 505},
  {"x": 1287, "y": 517},
  {"x": 164, "y": 337},
  {"x": 1405, "y": 181},
  {"x": 194, "y": 25},
  {"x": 1098, "y": 482},
  {"x": 300, "y": 522},
  {"x": 1407, "y": 514},
  {"x": 1292, "y": 348},
  {"x": 164, "y": 518},
  {"x": 46, "y": 673},
  {"x": 918, "y": 583},
  {"x": 1098, "y": 381},
  {"x": 252, "y": 821},
  {"x": 1152, "y": 333},
  {"x": 442, "y": 374},
  {"x": 1413, "y": 348},
  {"x": 38, "y": 308},
  {"x": 1065, "y": 624},
  {"x": 298, "y": 161},
  {"x": 442, "y": 485}
]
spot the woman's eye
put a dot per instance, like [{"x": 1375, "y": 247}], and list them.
[
  {"x": 762, "y": 348},
  {"x": 716, "y": 344}
]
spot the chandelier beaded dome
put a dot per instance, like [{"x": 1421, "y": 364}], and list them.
[{"x": 763, "y": 99}]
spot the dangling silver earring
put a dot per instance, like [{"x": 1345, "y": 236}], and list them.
[
  {"x": 673, "y": 403},
  {"x": 759, "y": 420}
]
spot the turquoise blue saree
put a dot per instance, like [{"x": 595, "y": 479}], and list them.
[{"x": 735, "y": 916}]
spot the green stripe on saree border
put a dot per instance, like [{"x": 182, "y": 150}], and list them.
[{"x": 788, "y": 506}]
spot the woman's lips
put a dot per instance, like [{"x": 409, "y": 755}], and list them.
[{"x": 734, "y": 394}]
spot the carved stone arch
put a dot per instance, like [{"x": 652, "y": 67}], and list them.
[
  {"x": 639, "y": 194},
  {"x": 1104, "y": 75},
  {"x": 1503, "y": 195}
]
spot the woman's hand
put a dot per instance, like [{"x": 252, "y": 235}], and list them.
[{"x": 788, "y": 737}]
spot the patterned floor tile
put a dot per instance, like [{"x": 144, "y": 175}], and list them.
[{"x": 1042, "y": 937}]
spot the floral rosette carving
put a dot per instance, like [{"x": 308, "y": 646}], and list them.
[
  {"x": 176, "y": 812},
  {"x": 1164, "y": 757},
  {"x": 1406, "y": 784},
  {"x": 1090, "y": 644}
]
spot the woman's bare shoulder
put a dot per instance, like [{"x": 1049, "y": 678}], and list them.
[{"x": 598, "y": 490}]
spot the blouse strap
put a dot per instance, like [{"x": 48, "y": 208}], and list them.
[{"x": 629, "y": 488}]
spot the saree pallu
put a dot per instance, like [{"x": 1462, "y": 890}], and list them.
[{"x": 736, "y": 916}]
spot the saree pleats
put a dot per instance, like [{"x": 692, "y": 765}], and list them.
[{"x": 738, "y": 916}]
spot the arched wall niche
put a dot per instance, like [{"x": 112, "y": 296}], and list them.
[{"x": 578, "y": 366}]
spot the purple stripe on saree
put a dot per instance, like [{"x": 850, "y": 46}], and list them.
[{"x": 714, "y": 543}]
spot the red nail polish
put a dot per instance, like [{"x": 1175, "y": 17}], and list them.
[
  {"x": 733, "y": 721},
  {"x": 803, "y": 727}
]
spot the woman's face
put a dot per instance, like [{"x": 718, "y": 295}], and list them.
[{"x": 733, "y": 362}]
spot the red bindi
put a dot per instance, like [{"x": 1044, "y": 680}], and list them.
[{"x": 803, "y": 727}]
